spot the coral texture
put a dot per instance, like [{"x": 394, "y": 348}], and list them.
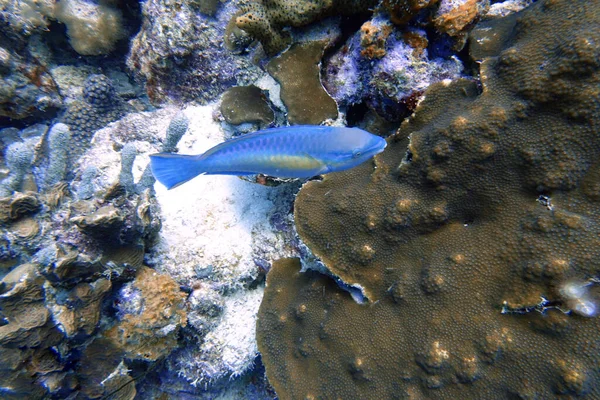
[
  {"x": 93, "y": 28},
  {"x": 178, "y": 52},
  {"x": 298, "y": 72},
  {"x": 99, "y": 106},
  {"x": 26, "y": 87},
  {"x": 265, "y": 20},
  {"x": 149, "y": 332},
  {"x": 471, "y": 235},
  {"x": 386, "y": 69},
  {"x": 242, "y": 104}
]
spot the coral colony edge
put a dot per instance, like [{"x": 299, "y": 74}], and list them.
[{"x": 398, "y": 199}]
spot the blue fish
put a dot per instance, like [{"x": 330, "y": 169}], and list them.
[{"x": 300, "y": 151}]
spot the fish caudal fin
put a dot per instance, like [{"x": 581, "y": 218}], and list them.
[{"x": 173, "y": 170}]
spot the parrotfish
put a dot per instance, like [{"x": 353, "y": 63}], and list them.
[{"x": 301, "y": 151}]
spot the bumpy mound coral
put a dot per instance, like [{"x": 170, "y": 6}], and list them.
[
  {"x": 464, "y": 235},
  {"x": 266, "y": 20},
  {"x": 100, "y": 106}
]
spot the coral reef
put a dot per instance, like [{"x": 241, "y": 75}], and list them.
[
  {"x": 19, "y": 158},
  {"x": 149, "y": 331},
  {"x": 297, "y": 71},
  {"x": 402, "y": 11},
  {"x": 471, "y": 235},
  {"x": 266, "y": 20},
  {"x": 93, "y": 28},
  {"x": 120, "y": 226},
  {"x": 386, "y": 69},
  {"x": 222, "y": 309},
  {"x": 53, "y": 301},
  {"x": 178, "y": 52},
  {"x": 177, "y": 128},
  {"x": 243, "y": 104},
  {"x": 55, "y": 171},
  {"x": 99, "y": 106},
  {"x": 453, "y": 16},
  {"x": 27, "y": 90},
  {"x": 26, "y": 16},
  {"x": 27, "y": 334}
]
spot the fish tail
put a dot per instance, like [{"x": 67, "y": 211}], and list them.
[{"x": 173, "y": 170}]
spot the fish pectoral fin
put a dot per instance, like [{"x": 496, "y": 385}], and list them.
[
  {"x": 316, "y": 161},
  {"x": 320, "y": 166}
]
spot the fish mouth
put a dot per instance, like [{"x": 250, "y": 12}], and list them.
[{"x": 377, "y": 148}]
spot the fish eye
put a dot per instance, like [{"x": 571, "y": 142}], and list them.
[{"x": 356, "y": 154}]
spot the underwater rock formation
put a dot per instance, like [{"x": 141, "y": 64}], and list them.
[
  {"x": 246, "y": 104},
  {"x": 68, "y": 256},
  {"x": 222, "y": 281},
  {"x": 178, "y": 52},
  {"x": 466, "y": 235},
  {"x": 27, "y": 90},
  {"x": 385, "y": 68},
  {"x": 93, "y": 28},
  {"x": 151, "y": 315}
]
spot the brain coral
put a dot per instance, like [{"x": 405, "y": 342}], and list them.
[{"x": 466, "y": 237}]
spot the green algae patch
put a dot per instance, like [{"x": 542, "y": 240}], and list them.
[
  {"x": 466, "y": 234},
  {"x": 298, "y": 72},
  {"x": 242, "y": 104}
]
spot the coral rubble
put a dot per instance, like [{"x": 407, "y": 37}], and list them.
[{"x": 466, "y": 235}]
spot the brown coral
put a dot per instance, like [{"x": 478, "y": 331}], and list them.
[
  {"x": 450, "y": 235},
  {"x": 153, "y": 333},
  {"x": 454, "y": 20},
  {"x": 265, "y": 20},
  {"x": 298, "y": 72},
  {"x": 242, "y": 104}
]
